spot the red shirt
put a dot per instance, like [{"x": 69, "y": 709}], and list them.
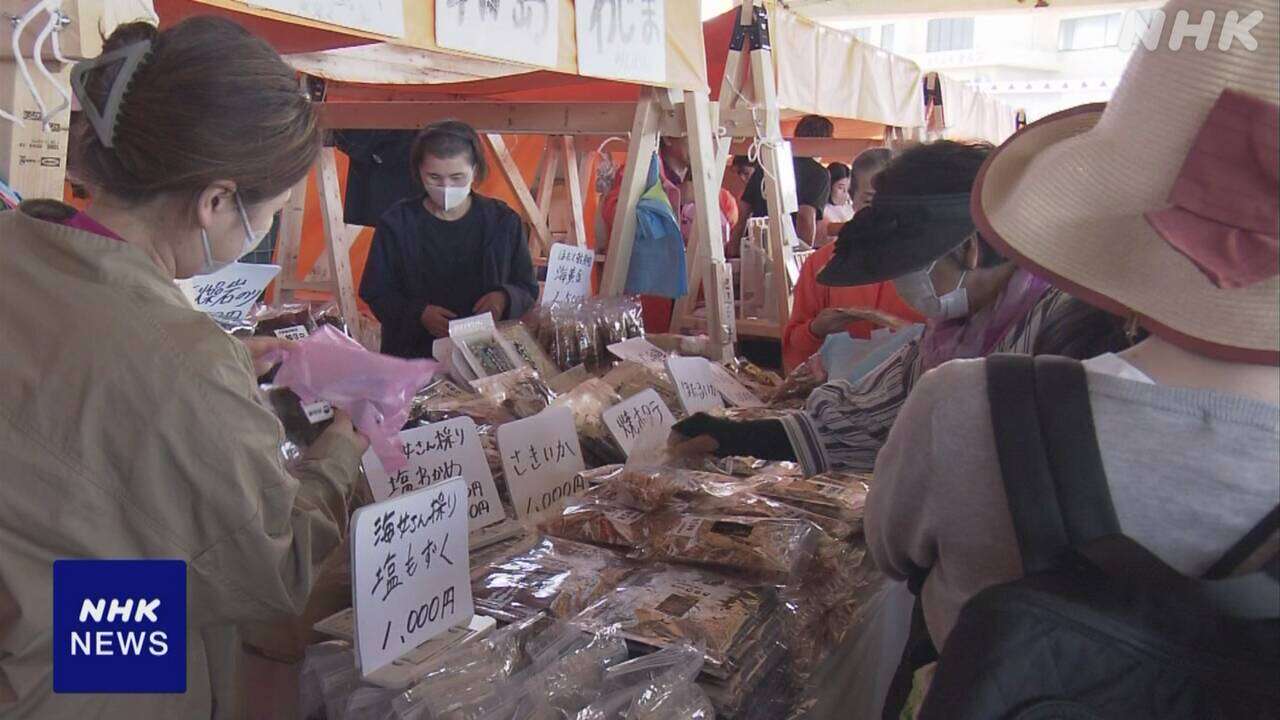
[{"x": 812, "y": 297}]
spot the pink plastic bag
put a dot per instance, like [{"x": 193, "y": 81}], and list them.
[{"x": 376, "y": 390}]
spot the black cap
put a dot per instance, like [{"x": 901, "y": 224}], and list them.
[{"x": 896, "y": 235}]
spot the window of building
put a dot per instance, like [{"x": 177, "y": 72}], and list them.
[
  {"x": 950, "y": 34},
  {"x": 886, "y": 36},
  {"x": 863, "y": 34},
  {"x": 1090, "y": 33}
]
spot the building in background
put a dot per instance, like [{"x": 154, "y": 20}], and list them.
[{"x": 1040, "y": 59}]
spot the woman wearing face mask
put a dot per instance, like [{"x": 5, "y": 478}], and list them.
[
  {"x": 131, "y": 422},
  {"x": 918, "y": 233},
  {"x": 840, "y": 206},
  {"x": 448, "y": 253}
]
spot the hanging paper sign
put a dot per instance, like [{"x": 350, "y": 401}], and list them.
[
  {"x": 694, "y": 384},
  {"x": 229, "y": 294},
  {"x": 541, "y": 458},
  {"x": 568, "y": 274},
  {"x": 622, "y": 39},
  {"x": 435, "y": 453},
  {"x": 734, "y": 392},
  {"x": 641, "y": 422},
  {"x": 410, "y": 571},
  {"x": 639, "y": 350},
  {"x": 524, "y": 31},
  {"x": 384, "y": 17}
]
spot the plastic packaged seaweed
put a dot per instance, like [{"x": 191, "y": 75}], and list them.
[
  {"x": 290, "y": 321},
  {"x": 652, "y": 488},
  {"x": 521, "y": 392},
  {"x": 485, "y": 350},
  {"x": 526, "y": 345},
  {"x": 840, "y": 496},
  {"x": 588, "y": 402},
  {"x": 772, "y": 549},
  {"x": 628, "y": 378},
  {"x": 658, "y": 686},
  {"x": 599, "y": 524}
]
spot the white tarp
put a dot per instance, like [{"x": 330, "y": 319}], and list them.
[
  {"x": 828, "y": 72},
  {"x": 970, "y": 115}
]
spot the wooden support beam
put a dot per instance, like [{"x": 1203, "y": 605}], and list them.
[
  {"x": 577, "y": 223},
  {"x": 538, "y": 118},
  {"x": 289, "y": 242},
  {"x": 644, "y": 142},
  {"x": 547, "y": 186},
  {"x": 337, "y": 241},
  {"x": 541, "y": 233}
]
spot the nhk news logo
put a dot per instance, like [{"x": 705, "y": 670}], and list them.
[{"x": 119, "y": 626}]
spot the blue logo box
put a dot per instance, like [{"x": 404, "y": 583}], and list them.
[{"x": 119, "y": 626}]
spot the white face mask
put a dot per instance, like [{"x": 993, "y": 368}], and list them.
[
  {"x": 252, "y": 239},
  {"x": 916, "y": 290},
  {"x": 448, "y": 197}
]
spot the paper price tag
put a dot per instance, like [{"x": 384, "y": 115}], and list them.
[
  {"x": 541, "y": 458},
  {"x": 318, "y": 412},
  {"x": 641, "y": 422},
  {"x": 293, "y": 332},
  {"x": 435, "y": 453},
  {"x": 410, "y": 571},
  {"x": 229, "y": 294},
  {"x": 694, "y": 384},
  {"x": 640, "y": 351},
  {"x": 568, "y": 274},
  {"x": 734, "y": 392}
]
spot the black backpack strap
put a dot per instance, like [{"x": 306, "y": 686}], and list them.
[
  {"x": 1246, "y": 546},
  {"x": 1049, "y": 458}
]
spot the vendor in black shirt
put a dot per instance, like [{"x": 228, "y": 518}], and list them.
[
  {"x": 813, "y": 184},
  {"x": 447, "y": 253}
]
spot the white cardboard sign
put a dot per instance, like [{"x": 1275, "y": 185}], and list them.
[
  {"x": 734, "y": 392},
  {"x": 541, "y": 458},
  {"x": 568, "y": 274},
  {"x": 524, "y": 31},
  {"x": 694, "y": 384},
  {"x": 410, "y": 571},
  {"x": 639, "y": 350},
  {"x": 435, "y": 453},
  {"x": 641, "y": 422},
  {"x": 623, "y": 40},
  {"x": 229, "y": 294},
  {"x": 384, "y": 17}
]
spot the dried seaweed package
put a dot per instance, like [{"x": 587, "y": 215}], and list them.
[
  {"x": 291, "y": 321},
  {"x": 330, "y": 314},
  {"x": 556, "y": 576},
  {"x": 517, "y": 335},
  {"x": 599, "y": 524},
  {"x": 629, "y": 378},
  {"x": 521, "y": 391},
  {"x": 774, "y": 550},
  {"x": 661, "y": 604},
  {"x": 655, "y": 488},
  {"x": 750, "y": 504},
  {"x": 302, "y": 423},
  {"x": 486, "y": 352},
  {"x": 588, "y": 402},
  {"x": 443, "y": 400},
  {"x": 632, "y": 317},
  {"x": 746, "y": 467}
]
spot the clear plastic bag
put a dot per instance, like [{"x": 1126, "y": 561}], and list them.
[
  {"x": 322, "y": 660},
  {"x": 558, "y": 577},
  {"x": 798, "y": 384},
  {"x": 652, "y": 488},
  {"x": 629, "y": 378},
  {"x": 588, "y": 402},
  {"x": 523, "y": 340},
  {"x": 520, "y": 392},
  {"x": 772, "y": 549},
  {"x": 600, "y": 524},
  {"x": 658, "y": 686},
  {"x": 839, "y": 496}
]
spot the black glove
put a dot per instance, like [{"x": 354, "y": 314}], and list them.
[{"x": 761, "y": 439}]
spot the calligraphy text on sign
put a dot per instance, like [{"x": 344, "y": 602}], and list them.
[
  {"x": 694, "y": 384},
  {"x": 568, "y": 274},
  {"x": 411, "y": 571},
  {"x": 734, "y": 392},
  {"x": 541, "y": 457},
  {"x": 624, "y": 39},
  {"x": 435, "y": 453},
  {"x": 229, "y": 294},
  {"x": 526, "y": 31},
  {"x": 640, "y": 351},
  {"x": 640, "y": 422}
]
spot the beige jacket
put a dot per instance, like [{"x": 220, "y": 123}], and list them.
[{"x": 130, "y": 428}]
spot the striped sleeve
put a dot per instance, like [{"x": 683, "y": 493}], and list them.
[{"x": 844, "y": 425}]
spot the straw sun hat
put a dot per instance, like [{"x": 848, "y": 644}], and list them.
[{"x": 1162, "y": 205}]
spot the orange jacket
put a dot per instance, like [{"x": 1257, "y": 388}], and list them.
[{"x": 811, "y": 297}]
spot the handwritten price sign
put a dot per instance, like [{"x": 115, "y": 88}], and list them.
[
  {"x": 641, "y": 422},
  {"x": 639, "y": 350},
  {"x": 734, "y": 392},
  {"x": 623, "y": 39},
  {"x": 436, "y": 453},
  {"x": 526, "y": 31},
  {"x": 229, "y": 294},
  {"x": 568, "y": 274},
  {"x": 695, "y": 384},
  {"x": 541, "y": 457},
  {"x": 410, "y": 571}
]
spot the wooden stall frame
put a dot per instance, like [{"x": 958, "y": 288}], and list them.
[{"x": 658, "y": 111}]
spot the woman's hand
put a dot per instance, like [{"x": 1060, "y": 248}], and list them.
[
  {"x": 263, "y": 351},
  {"x": 436, "y": 320},
  {"x": 833, "y": 320},
  {"x": 494, "y": 302},
  {"x": 341, "y": 426}
]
